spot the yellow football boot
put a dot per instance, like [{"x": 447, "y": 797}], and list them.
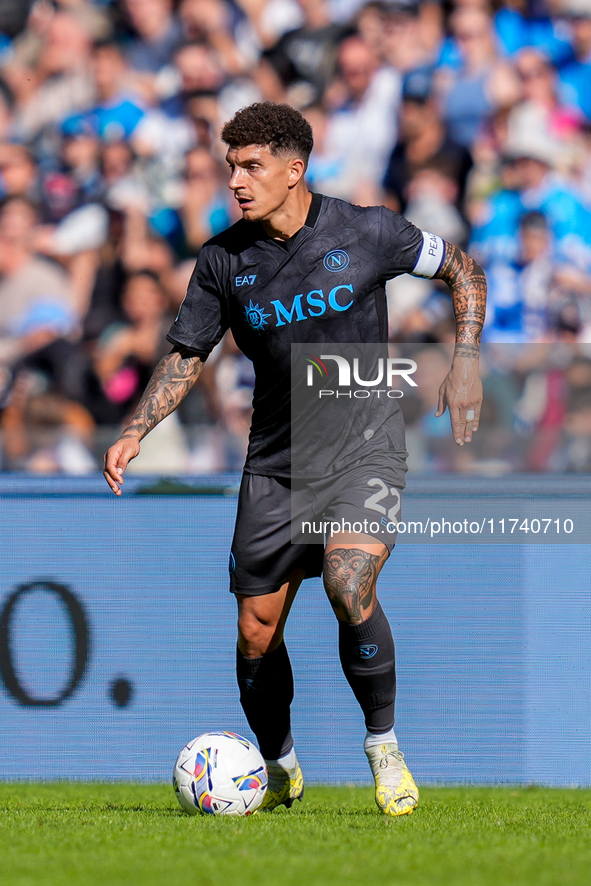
[
  {"x": 285, "y": 786},
  {"x": 396, "y": 792}
]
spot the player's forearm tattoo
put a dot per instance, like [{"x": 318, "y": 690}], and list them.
[
  {"x": 171, "y": 381},
  {"x": 350, "y": 576},
  {"x": 467, "y": 282}
]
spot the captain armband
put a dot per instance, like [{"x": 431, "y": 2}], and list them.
[{"x": 430, "y": 257}]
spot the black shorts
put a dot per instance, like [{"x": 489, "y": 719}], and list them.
[{"x": 268, "y": 543}]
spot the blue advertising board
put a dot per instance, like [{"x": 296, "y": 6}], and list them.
[{"x": 117, "y": 645}]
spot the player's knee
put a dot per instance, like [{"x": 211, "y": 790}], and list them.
[
  {"x": 352, "y": 601},
  {"x": 257, "y": 635},
  {"x": 350, "y": 576},
  {"x": 352, "y": 607}
]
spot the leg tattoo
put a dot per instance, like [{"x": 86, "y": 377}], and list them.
[{"x": 350, "y": 576}]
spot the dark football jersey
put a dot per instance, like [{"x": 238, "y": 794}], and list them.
[{"x": 326, "y": 284}]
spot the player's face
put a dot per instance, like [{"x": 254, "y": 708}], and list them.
[{"x": 261, "y": 181}]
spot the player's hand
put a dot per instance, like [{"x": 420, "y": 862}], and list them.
[
  {"x": 117, "y": 458},
  {"x": 460, "y": 392}
]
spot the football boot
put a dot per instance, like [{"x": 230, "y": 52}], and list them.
[
  {"x": 285, "y": 786},
  {"x": 396, "y": 792}
]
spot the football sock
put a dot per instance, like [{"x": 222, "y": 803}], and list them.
[
  {"x": 286, "y": 762},
  {"x": 367, "y": 657},
  {"x": 266, "y": 692},
  {"x": 372, "y": 739}
]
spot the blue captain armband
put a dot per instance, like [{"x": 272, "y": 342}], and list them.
[{"x": 430, "y": 257}]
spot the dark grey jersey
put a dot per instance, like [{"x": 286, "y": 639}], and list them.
[{"x": 324, "y": 285}]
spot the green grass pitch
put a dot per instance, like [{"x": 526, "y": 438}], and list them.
[{"x": 57, "y": 834}]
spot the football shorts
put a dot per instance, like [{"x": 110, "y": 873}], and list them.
[{"x": 283, "y": 525}]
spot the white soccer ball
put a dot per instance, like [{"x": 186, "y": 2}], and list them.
[{"x": 220, "y": 773}]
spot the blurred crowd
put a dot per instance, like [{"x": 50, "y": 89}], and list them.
[
  {"x": 472, "y": 117},
  {"x": 536, "y": 412}
]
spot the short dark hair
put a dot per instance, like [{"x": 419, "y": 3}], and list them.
[
  {"x": 533, "y": 221},
  {"x": 280, "y": 127}
]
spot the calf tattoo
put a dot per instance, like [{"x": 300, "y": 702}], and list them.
[{"x": 350, "y": 576}]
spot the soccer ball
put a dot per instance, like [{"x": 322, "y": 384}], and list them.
[{"x": 220, "y": 773}]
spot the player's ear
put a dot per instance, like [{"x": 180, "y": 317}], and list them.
[{"x": 297, "y": 167}]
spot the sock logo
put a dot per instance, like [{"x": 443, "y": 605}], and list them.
[{"x": 367, "y": 650}]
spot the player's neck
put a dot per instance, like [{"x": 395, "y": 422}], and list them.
[{"x": 291, "y": 215}]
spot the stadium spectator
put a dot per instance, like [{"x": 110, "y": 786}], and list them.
[
  {"x": 370, "y": 22},
  {"x": 517, "y": 24},
  {"x": 361, "y": 125},
  {"x": 199, "y": 71},
  {"x": 271, "y": 19},
  {"x": 157, "y": 33},
  {"x": 54, "y": 80},
  {"x": 205, "y": 89},
  {"x": 541, "y": 408},
  {"x": 19, "y": 173},
  {"x": 225, "y": 29},
  {"x": 127, "y": 352},
  {"x": 205, "y": 209},
  {"x": 109, "y": 121},
  {"x": 116, "y": 163},
  {"x": 574, "y": 453},
  {"x": 130, "y": 245},
  {"x": 527, "y": 23},
  {"x": 424, "y": 142},
  {"x": 436, "y": 453},
  {"x": 80, "y": 158},
  {"x": 117, "y": 110},
  {"x": 305, "y": 59},
  {"x": 518, "y": 308},
  {"x": 109, "y": 277},
  {"x": 432, "y": 196},
  {"x": 576, "y": 75},
  {"x": 541, "y": 114},
  {"x": 25, "y": 278},
  {"x": 582, "y": 168},
  {"x": 48, "y": 352},
  {"x": 45, "y": 433},
  {"x": 410, "y": 36},
  {"x": 482, "y": 83},
  {"x": 535, "y": 186}
]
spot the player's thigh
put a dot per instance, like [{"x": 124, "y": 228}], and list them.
[
  {"x": 362, "y": 515},
  {"x": 262, "y": 558},
  {"x": 363, "y": 504}
]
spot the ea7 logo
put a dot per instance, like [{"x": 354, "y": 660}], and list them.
[{"x": 246, "y": 280}]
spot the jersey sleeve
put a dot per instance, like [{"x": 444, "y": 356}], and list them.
[
  {"x": 202, "y": 317},
  {"x": 405, "y": 249}
]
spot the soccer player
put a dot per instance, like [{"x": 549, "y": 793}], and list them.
[{"x": 302, "y": 267}]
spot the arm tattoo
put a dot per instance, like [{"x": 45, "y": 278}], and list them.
[
  {"x": 350, "y": 576},
  {"x": 467, "y": 282},
  {"x": 171, "y": 381}
]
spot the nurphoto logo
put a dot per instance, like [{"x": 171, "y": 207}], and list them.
[{"x": 348, "y": 373}]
